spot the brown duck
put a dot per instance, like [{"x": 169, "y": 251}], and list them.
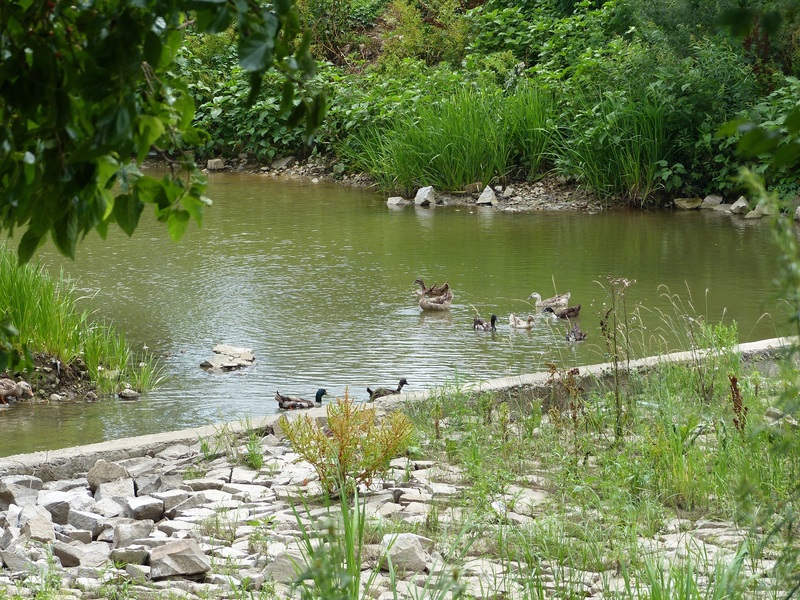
[
  {"x": 563, "y": 313},
  {"x": 14, "y": 389}
]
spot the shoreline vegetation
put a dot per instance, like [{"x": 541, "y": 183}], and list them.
[
  {"x": 495, "y": 495},
  {"x": 75, "y": 354},
  {"x": 626, "y": 101}
]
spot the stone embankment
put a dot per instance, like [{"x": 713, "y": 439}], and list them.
[
  {"x": 175, "y": 522},
  {"x": 179, "y": 521}
]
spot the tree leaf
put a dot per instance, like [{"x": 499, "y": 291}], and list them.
[
  {"x": 127, "y": 211},
  {"x": 256, "y": 50},
  {"x": 150, "y": 129},
  {"x": 177, "y": 223}
]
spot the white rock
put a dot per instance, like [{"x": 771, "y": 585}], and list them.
[
  {"x": 406, "y": 551},
  {"x": 396, "y": 201},
  {"x": 740, "y": 207},
  {"x": 183, "y": 557},
  {"x": 487, "y": 197},
  {"x": 215, "y": 164},
  {"x": 425, "y": 196}
]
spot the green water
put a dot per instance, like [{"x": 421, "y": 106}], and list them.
[{"x": 318, "y": 280}]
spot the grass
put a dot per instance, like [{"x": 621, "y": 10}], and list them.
[
  {"x": 49, "y": 321},
  {"x": 616, "y": 146}
]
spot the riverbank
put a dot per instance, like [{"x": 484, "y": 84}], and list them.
[{"x": 182, "y": 515}]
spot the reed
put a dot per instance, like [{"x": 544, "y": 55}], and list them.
[
  {"x": 530, "y": 116},
  {"x": 616, "y": 147},
  {"x": 49, "y": 321},
  {"x": 448, "y": 144}
]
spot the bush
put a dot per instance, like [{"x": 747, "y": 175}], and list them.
[{"x": 355, "y": 447}]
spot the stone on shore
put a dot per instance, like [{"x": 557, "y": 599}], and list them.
[
  {"x": 487, "y": 197},
  {"x": 425, "y": 196},
  {"x": 179, "y": 558}
]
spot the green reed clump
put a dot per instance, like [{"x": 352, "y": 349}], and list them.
[
  {"x": 618, "y": 147},
  {"x": 447, "y": 144},
  {"x": 530, "y": 115},
  {"x": 45, "y": 312}
]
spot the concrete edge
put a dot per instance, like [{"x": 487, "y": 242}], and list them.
[{"x": 64, "y": 463}]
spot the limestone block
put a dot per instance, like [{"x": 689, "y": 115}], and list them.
[
  {"x": 105, "y": 472},
  {"x": 121, "y": 488},
  {"x": 425, "y": 196},
  {"x": 87, "y": 520},
  {"x": 145, "y": 507},
  {"x": 406, "y": 551},
  {"x": 59, "y": 503},
  {"x": 183, "y": 557},
  {"x": 285, "y": 567},
  {"x": 126, "y": 533},
  {"x": 487, "y": 197}
]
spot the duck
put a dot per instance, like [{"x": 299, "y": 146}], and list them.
[
  {"x": 14, "y": 389},
  {"x": 434, "y": 290},
  {"x": 554, "y": 301},
  {"x": 479, "y": 324},
  {"x": 434, "y": 297},
  {"x": 563, "y": 313},
  {"x": 575, "y": 334},
  {"x": 520, "y": 323},
  {"x": 384, "y": 391},
  {"x": 295, "y": 403}
]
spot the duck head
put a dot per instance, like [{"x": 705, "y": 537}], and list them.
[
  {"x": 401, "y": 383},
  {"x": 535, "y": 296},
  {"x": 320, "y": 393}
]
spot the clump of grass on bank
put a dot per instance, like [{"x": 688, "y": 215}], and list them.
[
  {"x": 49, "y": 322},
  {"x": 471, "y": 136},
  {"x": 681, "y": 455}
]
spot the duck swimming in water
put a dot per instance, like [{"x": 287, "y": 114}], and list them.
[
  {"x": 479, "y": 324},
  {"x": 520, "y": 323},
  {"x": 435, "y": 297},
  {"x": 575, "y": 334},
  {"x": 554, "y": 301},
  {"x": 295, "y": 403},
  {"x": 563, "y": 313}
]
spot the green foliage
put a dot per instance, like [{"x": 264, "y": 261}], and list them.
[
  {"x": 449, "y": 144},
  {"x": 84, "y": 89},
  {"x": 49, "y": 322},
  {"x": 355, "y": 446},
  {"x": 431, "y": 31},
  {"x": 617, "y": 147}
]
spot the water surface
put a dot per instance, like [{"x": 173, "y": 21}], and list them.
[{"x": 318, "y": 280}]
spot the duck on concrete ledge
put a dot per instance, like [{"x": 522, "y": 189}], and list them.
[
  {"x": 295, "y": 403},
  {"x": 384, "y": 391}
]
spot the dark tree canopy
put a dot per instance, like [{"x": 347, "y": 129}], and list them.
[{"x": 87, "y": 92}]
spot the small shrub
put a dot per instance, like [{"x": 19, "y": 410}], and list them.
[{"x": 355, "y": 445}]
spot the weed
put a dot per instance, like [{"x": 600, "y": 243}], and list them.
[{"x": 354, "y": 446}]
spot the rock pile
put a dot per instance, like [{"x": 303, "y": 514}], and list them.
[{"x": 206, "y": 527}]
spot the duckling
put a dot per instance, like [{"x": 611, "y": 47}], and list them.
[
  {"x": 563, "y": 313},
  {"x": 295, "y": 403},
  {"x": 383, "y": 391},
  {"x": 479, "y": 324},
  {"x": 575, "y": 334},
  {"x": 14, "y": 389},
  {"x": 520, "y": 323},
  {"x": 554, "y": 301}
]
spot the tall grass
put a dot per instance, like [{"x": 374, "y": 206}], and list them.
[
  {"x": 49, "y": 321},
  {"x": 616, "y": 147},
  {"x": 530, "y": 115},
  {"x": 449, "y": 145}
]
